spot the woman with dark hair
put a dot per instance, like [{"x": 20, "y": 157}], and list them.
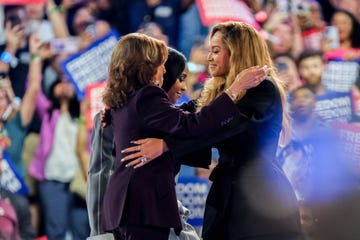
[
  {"x": 348, "y": 29},
  {"x": 55, "y": 162}
]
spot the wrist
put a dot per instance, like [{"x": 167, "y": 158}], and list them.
[
  {"x": 231, "y": 94},
  {"x": 52, "y": 9},
  {"x": 81, "y": 121},
  {"x": 35, "y": 58},
  {"x": 6, "y": 57}
]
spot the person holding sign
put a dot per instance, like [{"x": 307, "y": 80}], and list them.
[
  {"x": 250, "y": 197},
  {"x": 135, "y": 199}
]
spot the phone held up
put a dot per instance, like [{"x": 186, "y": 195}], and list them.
[
  {"x": 332, "y": 34},
  {"x": 68, "y": 45},
  {"x": 281, "y": 67}
]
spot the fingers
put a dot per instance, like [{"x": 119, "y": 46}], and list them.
[
  {"x": 132, "y": 156},
  {"x": 140, "y": 141},
  {"x": 138, "y": 162},
  {"x": 131, "y": 149}
]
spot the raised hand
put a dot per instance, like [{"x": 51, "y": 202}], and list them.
[{"x": 246, "y": 79}]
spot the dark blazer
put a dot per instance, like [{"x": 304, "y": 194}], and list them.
[
  {"x": 146, "y": 196},
  {"x": 250, "y": 196}
]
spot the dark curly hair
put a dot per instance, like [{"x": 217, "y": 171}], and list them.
[{"x": 133, "y": 63}]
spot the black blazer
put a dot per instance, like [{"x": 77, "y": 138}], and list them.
[
  {"x": 146, "y": 196},
  {"x": 250, "y": 196}
]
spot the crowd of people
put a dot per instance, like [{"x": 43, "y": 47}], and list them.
[{"x": 280, "y": 104}]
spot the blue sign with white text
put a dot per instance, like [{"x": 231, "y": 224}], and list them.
[
  {"x": 192, "y": 192},
  {"x": 91, "y": 65}
]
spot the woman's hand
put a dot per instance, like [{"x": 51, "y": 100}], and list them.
[
  {"x": 144, "y": 151},
  {"x": 248, "y": 78}
]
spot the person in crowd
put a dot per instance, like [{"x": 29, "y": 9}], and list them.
[
  {"x": 55, "y": 162},
  {"x": 286, "y": 33},
  {"x": 8, "y": 220},
  {"x": 154, "y": 30},
  {"x": 16, "y": 115},
  {"x": 348, "y": 38},
  {"x": 37, "y": 22},
  {"x": 23, "y": 216},
  {"x": 287, "y": 71},
  {"x": 352, "y": 6},
  {"x": 311, "y": 66},
  {"x": 318, "y": 170},
  {"x": 83, "y": 24},
  {"x": 14, "y": 125},
  {"x": 134, "y": 203},
  {"x": 15, "y": 49},
  {"x": 250, "y": 197},
  {"x": 311, "y": 22}
]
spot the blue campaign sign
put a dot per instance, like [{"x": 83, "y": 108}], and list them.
[
  {"x": 91, "y": 65},
  {"x": 335, "y": 107},
  {"x": 192, "y": 192},
  {"x": 10, "y": 177},
  {"x": 340, "y": 75}
]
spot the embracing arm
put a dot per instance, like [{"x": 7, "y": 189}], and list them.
[
  {"x": 257, "y": 106},
  {"x": 160, "y": 115}
]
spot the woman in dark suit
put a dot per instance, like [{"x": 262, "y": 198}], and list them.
[
  {"x": 250, "y": 197},
  {"x": 141, "y": 203}
]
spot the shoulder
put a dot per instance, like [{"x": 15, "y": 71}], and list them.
[
  {"x": 268, "y": 84},
  {"x": 266, "y": 88},
  {"x": 150, "y": 91}
]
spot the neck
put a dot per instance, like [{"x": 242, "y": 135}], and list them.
[
  {"x": 345, "y": 44},
  {"x": 64, "y": 106}
]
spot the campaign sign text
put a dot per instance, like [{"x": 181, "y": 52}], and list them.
[
  {"x": 94, "y": 96},
  {"x": 91, "y": 65},
  {"x": 10, "y": 178},
  {"x": 335, "y": 107},
  {"x": 212, "y": 11},
  {"x": 349, "y": 134},
  {"x": 192, "y": 192},
  {"x": 340, "y": 76}
]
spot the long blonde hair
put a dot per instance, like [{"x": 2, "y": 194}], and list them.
[
  {"x": 246, "y": 49},
  {"x": 133, "y": 63}
]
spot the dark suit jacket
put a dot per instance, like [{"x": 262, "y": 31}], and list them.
[
  {"x": 250, "y": 196},
  {"x": 146, "y": 196}
]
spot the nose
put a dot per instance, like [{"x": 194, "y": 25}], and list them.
[
  {"x": 209, "y": 57},
  {"x": 183, "y": 87}
]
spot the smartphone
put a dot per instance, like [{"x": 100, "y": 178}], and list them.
[
  {"x": 332, "y": 33},
  {"x": 281, "y": 67},
  {"x": 64, "y": 45},
  {"x": 302, "y": 9},
  {"x": 283, "y": 6},
  {"x": 15, "y": 20}
]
